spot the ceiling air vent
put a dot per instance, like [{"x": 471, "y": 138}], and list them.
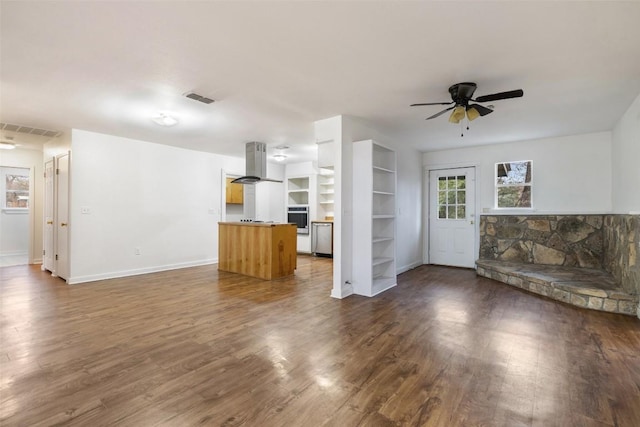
[
  {"x": 29, "y": 130},
  {"x": 200, "y": 98}
]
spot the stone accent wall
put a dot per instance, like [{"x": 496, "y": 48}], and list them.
[
  {"x": 621, "y": 243},
  {"x": 567, "y": 240}
]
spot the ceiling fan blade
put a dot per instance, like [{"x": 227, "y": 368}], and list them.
[
  {"x": 432, "y": 103},
  {"x": 481, "y": 109},
  {"x": 500, "y": 95},
  {"x": 440, "y": 113}
]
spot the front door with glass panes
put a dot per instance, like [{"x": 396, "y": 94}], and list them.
[{"x": 452, "y": 217}]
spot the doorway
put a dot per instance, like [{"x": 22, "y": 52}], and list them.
[
  {"x": 15, "y": 185},
  {"x": 238, "y": 200},
  {"x": 452, "y": 229}
]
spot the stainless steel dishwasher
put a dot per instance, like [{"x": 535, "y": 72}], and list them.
[{"x": 322, "y": 238}]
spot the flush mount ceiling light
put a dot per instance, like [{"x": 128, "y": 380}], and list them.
[
  {"x": 164, "y": 119},
  {"x": 280, "y": 157}
]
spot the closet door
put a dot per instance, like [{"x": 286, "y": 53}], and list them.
[
  {"x": 62, "y": 216},
  {"x": 48, "y": 241}
]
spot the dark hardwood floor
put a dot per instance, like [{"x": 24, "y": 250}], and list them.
[{"x": 202, "y": 347}]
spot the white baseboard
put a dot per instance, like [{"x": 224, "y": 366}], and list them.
[
  {"x": 18, "y": 253},
  {"x": 345, "y": 291},
  {"x": 138, "y": 271},
  {"x": 400, "y": 270}
]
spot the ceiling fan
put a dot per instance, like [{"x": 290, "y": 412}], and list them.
[{"x": 461, "y": 94}]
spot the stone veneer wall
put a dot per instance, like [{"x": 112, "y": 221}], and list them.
[
  {"x": 607, "y": 242},
  {"x": 568, "y": 240},
  {"x": 621, "y": 242}
]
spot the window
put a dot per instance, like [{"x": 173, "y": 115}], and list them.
[
  {"x": 15, "y": 188},
  {"x": 513, "y": 184},
  {"x": 452, "y": 196}
]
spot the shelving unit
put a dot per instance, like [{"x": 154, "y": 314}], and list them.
[
  {"x": 326, "y": 194},
  {"x": 298, "y": 191},
  {"x": 374, "y": 266}
]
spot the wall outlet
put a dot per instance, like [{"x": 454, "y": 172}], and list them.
[
  {"x": 85, "y": 210},
  {"x": 137, "y": 251}
]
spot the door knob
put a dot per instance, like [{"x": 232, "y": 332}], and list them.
[
  {"x": 63, "y": 224},
  {"x": 472, "y": 222}
]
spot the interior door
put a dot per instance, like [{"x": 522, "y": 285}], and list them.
[
  {"x": 62, "y": 216},
  {"x": 452, "y": 217},
  {"x": 49, "y": 249}
]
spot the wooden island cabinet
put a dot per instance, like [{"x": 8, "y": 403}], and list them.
[{"x": 264, "y": 250}]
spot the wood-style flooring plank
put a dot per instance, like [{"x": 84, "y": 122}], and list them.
[{"x": 202, "y": 347}]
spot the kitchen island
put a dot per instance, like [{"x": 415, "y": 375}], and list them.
[{"x": 257, "y": 249}]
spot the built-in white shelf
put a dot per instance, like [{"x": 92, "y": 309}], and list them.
[
  {"x": 382, "y": 260},
  {"x": 326, "y": 193},
  {"x": 298, "y": 191},
  {"x": 381, "y": 239},
  {"x": 374, "y": 178},
  {"x": 378, "y": 168}
]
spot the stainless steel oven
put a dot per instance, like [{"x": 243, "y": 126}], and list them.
[{"x": 299, "y": 215}]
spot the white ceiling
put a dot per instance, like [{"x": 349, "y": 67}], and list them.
[{"x": 276, "y": 67}]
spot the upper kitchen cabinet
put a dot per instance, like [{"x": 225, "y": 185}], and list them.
[{"x": 234, "y": 193}]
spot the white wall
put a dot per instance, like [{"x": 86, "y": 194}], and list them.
[
  {"x": 626, "y": 161},
  {"x": 31, "y": 159},
  {"x": 56, "y": 146},
  {"x": 571, "y": 174},
  {"x": 163, "y": 200}
]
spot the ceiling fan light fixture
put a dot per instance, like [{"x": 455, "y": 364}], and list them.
[
  {"x": 472, "y": 113},
  {"x": 279, "y": 157},
  {"x": 457, "y": 114}
]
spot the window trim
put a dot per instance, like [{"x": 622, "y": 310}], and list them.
[
  {"x": 497, "y": 186},
  {"x": 12, "y": 170}
]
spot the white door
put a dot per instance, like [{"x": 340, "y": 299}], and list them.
[
  {"x": 452, "y": 217},
  {"x": 48, "y": 256},
  {"x": 62, "y": 216}
]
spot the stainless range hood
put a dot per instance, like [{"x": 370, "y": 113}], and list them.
[{"x": 256, "y": 169}]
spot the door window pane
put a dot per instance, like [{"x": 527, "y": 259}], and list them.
[
  {"x": 452, "y": 197},
  {"x": 462, "y": 196}
]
